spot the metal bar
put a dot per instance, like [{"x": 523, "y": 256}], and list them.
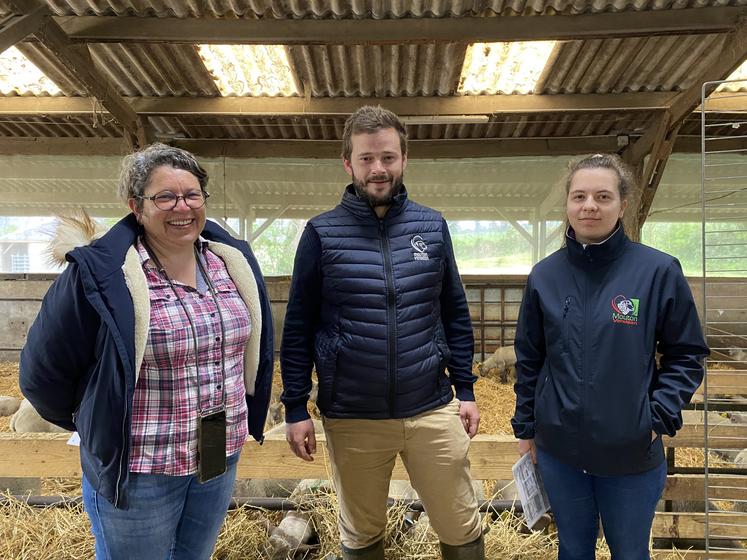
[{"x": 270, "y": 504}]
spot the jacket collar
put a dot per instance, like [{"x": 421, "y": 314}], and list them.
[
  {"x": 360, "y": 207},
  {"x": 607, "y": 250}
]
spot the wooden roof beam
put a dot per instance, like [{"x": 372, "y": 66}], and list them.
[
  {"x": 659, "y": 140},
  {"x": 77, "y": 60},
  {"x": 16, "y": 28},
  {"x": 296, "y": 106},
  {"x": 732, "y": 56},
  {"x": 467, "y": 105},
  {"x": 330, "y": 149},
  {"x": 411, "y": 30}
]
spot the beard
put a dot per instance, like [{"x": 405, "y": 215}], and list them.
[{"x": 384, "y": 199}]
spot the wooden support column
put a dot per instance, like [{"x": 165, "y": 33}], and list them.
[
  {"x": 635, "y": 157},
  {"x": 653, "y": 171}
]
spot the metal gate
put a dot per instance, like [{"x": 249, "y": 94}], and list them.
[{"x": 724, "y": 227}]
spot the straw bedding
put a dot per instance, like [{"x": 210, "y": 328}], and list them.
[{"x": 64, "y": 534}]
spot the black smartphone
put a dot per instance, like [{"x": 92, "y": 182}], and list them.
[{"x": 211, "y": 445}]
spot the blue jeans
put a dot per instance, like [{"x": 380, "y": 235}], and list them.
[
  {"x": 626, "y": 505},
  {"x": 168, "y": 518}
]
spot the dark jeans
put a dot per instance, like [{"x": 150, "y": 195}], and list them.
[
  {"x": 169, "y": 517},
  {"x": 625, "y": 504}
]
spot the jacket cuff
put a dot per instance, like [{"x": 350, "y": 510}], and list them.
[
  {"x": 296, "y": 413},
  {"x": 465, "y": 391},
  {"x": 524, "y": 430}
]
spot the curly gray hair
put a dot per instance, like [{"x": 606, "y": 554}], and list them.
[{"x": 137, "y": 167}]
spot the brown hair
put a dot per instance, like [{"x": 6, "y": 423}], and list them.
[
  {"x": 626, "y": 181},
  {"x": 368, "y": 120},
  {"x": 625, "y": 177}
]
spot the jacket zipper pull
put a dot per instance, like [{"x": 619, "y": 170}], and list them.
[{"x": 566, "y": 306}]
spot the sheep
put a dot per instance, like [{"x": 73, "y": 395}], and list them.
[
  {"x": 8, "y": 405},
  {"x": 501, "y": 364},
  {"x": 27, "y": 419}
]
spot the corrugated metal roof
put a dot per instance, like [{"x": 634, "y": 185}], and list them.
[
  {"x": 47, "y": 63},
  {"x": 668, "y": 63},
  {"x": 379, "y": 70},
  {"x": 137, "y": 69},
  {"x": 592, "y": 66},
  {"x": 377, "y": 9},
  {"x": 661, "y": 63}
]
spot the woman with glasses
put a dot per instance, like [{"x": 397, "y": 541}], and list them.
[
  {"x": 592, "y": 401},
  {"x": 155, "y": 344}
]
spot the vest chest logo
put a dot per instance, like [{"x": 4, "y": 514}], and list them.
[
  {"x": 625, "y": 310},
  {"x": 421, "y": 248}
]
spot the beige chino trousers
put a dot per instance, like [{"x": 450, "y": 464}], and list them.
[{"x": 433, "y": 446}]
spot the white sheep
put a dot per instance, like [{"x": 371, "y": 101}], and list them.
[
  {"x": 8, "y": 405},
  {"x": 27, "y": 419},
  {"x": 501, "y": 364}
]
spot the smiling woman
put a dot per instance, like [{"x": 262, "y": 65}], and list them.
[{"x": 171, "y": 369}]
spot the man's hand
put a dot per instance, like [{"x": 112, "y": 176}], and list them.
[
  {"x": 527, "y": 446},
  {"x": 654, "y": 435},
  {"x": 301, "y": 439},
  {"x": 470, "y": 417}
]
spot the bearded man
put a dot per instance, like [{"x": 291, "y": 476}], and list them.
[{"x": 377, "y": 305}]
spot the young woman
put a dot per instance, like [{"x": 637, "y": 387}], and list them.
[{"x": 592, "y": 403}]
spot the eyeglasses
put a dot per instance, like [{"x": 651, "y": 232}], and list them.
[{"x": 166, "y": 200}]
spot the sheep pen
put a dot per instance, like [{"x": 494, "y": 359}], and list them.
[{"x": 63, "y": 532}]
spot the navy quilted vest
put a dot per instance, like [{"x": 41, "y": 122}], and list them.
[{"x": 380, "y": 350}]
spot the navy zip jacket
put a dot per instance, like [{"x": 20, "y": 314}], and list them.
[
  {"x": 378, "y": 307},
  {"x": 589, "y": 389},
  {"x": 78, "y": 365}
]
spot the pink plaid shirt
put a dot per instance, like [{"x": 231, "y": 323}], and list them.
[{"x": 164, "y": 409}]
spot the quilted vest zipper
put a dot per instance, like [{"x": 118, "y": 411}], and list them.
[{"x": 391, "y": 313}]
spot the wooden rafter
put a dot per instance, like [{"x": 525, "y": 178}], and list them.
[
  {"x": 77, "y": 60},
  {"x": 316, "y": 149},
  {"x": 733, "y": 53},
  {"x": 405, "y": 106},
  {"x": 659, "y": 140},
  {"x": 409, "y": 30},
  {"x": 17, "y": 28}
]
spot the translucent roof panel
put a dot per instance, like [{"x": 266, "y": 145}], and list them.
[
  {"x": 738, "y": 74},
  {"x": 249, "y": 70},
  {"x": 504, "y": 68},
  {"x": 19, "y": 76}
]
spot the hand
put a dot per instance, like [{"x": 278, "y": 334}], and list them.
[
  {"x": 654, "y": 435},
  {"x": 470, "y": 417},
  {"x": 301, "y": 438},
  {"x": 527, "y": 446}
]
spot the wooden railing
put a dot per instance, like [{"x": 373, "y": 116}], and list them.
[{"x": 49, "y": 455}]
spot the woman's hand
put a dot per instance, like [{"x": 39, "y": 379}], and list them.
[{"x": 527, "y": 446}]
